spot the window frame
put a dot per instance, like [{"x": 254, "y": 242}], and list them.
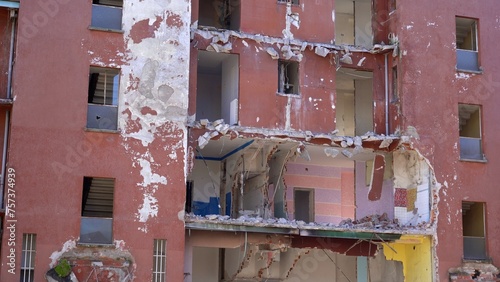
[
  {"x": 95, "y": 110},
  {"x": 474, "y": 240},
  {"x": 467, "y": 59},
  {"x": 159, "y": 270},
  {"x": 99, "y": 11},
  {"x": 102, "y": 219},
  {"x": 297, "y": 2},
  {"x": 283, "y": 78},
  {"x": 463, "y": 139},
  {"x": 28, "y": 252}
]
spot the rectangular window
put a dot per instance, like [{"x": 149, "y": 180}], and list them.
[
  {"x": 107, "y": 14},
  {"x": 97, "y": 211},
  {"x": 294, "y": 2},
  {"x": 473, "y": 225},
  {"x": 470, "y": 132},
  {"x": 223, "y": 14},
  {"x": 28, "y": 258},
  {"x": 159, "y": 260},
  {"x": 102, "y": 111},
  {"x": 304, "y": 204},
  {"x": 288, "y": 77},
  {"x": 466, "y": 41}
]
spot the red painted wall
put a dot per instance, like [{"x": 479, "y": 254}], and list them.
[
  {"x": 430, "y": 90},
  {"x": 51, "y": 152}
]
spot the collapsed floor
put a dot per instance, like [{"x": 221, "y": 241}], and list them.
[{"x": 257, "y": 205}]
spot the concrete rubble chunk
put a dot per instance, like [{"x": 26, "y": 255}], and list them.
[
  {"x": 349, "y": 141},
  {"x": 331, "y": 152},
  {"x": 303, "y": 46},
  {"x": 274, "y": 54},
  {"x": 321, "y": 51},
  {"x": 385, "y": 144},
  {"x": 360, "y": 63},
  {"x": 358, "y": 141},
  {"x": 215, "y": 47},
  {"x": 203, "y": 140},
  {"x": 204, "y": 122},
  {"x": 346, "y": 59},
  {"x": 347, "y": 153},
  {"x": 217, "y": 122},
  {"x": 357, "y": 150}
]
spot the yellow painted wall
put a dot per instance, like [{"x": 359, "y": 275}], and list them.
[{"x": 415, "y": 253}]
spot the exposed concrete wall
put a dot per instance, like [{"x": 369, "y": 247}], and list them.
[{"x": 205, "y": 264}]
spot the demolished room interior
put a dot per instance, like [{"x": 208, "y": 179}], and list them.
[{"x": 257, "y": 206}]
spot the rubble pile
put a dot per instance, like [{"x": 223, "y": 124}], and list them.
[{"x": 372, "y": 222}]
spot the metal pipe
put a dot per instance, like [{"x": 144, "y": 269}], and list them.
[
  {"x": 13, "y": 17},
  {"x": 386, "y": 95}
]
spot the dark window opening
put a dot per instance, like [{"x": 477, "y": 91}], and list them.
[
  {"x": 223, "y": 14},
  {"x": 107, "y": 14},
  {"x": 293, "y": 2},
  {"x": 189, "y": 196},
  {"x": 304, "y": 204},
  {"x": 474, "y": 234},
  {"x": 467, "y": 44},
  {"x": 288, "y": 77},
  {"x": 97, "y": 210},
  {"x": 102, "y": 112},
  {"x": 470, "y": 132}
]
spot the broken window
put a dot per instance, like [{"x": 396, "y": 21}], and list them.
[
  {"x": 473, "y": 221},
  {"x": 28, "y": 258},
  {"x": 467, "y": 48},
  {"x": 159, "y": 260},
  {"x": 223, "y": 14},
  {"x": 97, "y": 211},
  {"x": 353, "y": 23},
  {"x": 354, "y": 102},
  {"x": 304, "y": 204},
  {"x": 217, "y": 87},
  {"x": 294, "y": 2},
  {"x": 102, "y": 112},
  {"x": 288, "y": 77},
  {"x": 470, "y": 132},
  {"x": 107, "y": 14}
]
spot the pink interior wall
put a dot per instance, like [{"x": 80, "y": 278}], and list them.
[
  {"x": 366, "y": 207},
  {"x": 333, "y": 190}
]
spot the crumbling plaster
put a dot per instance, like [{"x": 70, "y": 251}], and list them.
[{"x": 154, "y": 91}]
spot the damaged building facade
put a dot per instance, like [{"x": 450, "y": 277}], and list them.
[{"x": 248, "y": 140}]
